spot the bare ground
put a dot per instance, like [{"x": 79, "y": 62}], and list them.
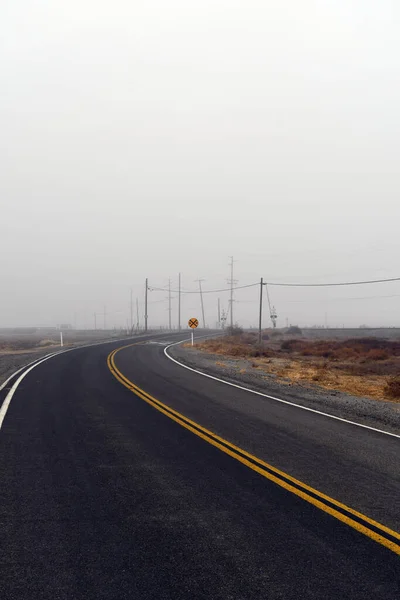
[{"x": 368, "y": 367}]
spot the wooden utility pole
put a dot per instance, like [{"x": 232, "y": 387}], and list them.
[
  {"x": 201, "y": 301},
  {"x": 179, "y": 302},
  {"x": 260, "y": 318},
  {"x": 145, "y": 304},
  {"x": 169, "y": 304}
]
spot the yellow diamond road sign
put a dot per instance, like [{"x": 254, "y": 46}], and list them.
[{"x": 193, "y": 323}]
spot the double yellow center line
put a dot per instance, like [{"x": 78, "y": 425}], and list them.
[{"x": 363, "y": 524}]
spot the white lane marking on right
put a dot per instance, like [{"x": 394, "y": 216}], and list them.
[{"x": 240, "y": 387}]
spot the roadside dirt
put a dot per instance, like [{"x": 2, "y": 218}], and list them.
[{"x": 368, "y": 367}]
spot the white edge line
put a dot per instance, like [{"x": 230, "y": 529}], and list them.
[
  {"x": 36, "y": 363},
  {"x": 4, "y": 384},
  {"x": 6, "y": 403},
  {"x": 240, "y": 387}
]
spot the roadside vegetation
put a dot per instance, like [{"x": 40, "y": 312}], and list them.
[
  {"x": 363, "y": 366},
  {"x": 26, "y": 342}
]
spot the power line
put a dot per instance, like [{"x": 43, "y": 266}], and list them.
[
  {"x": 333, "y": 284},
  {"x": 328, "y": 300},
  {"x": 239, "y": 287}
]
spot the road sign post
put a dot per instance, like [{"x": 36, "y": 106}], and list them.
[{"x": 193, "y": 324}]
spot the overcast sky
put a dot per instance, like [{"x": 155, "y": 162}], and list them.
[{"x": 140, "y": 138}]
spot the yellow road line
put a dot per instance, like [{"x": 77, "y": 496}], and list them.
[{"x": 232, "y": 450}]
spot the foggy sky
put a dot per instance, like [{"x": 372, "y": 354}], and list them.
[{"x": 146, "y": 138}]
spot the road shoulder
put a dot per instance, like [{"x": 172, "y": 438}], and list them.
[{"x": 374, "y": 413}]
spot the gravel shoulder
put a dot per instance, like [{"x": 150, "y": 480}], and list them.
[{"x": 374, "y": 413}]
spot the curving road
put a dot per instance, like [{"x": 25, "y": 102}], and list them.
[{"x": 125, "y": 476}]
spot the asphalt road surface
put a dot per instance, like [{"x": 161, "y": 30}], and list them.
[{"x": 124, "y": 476}]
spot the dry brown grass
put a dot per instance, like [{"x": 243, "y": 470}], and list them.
[
  {"x": 392, "y": 388},
  {"x": 25, "y": 346},
  {"x": 364, "y": 367}
]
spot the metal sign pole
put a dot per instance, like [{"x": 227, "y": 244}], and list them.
[{"x": 193, "y": 323}]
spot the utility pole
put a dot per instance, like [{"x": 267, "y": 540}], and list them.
[
  {"x": 179, "y": 302},
  {"x": 169, "y": 304},
  {"x": 201, "y": 301},
  {"x": 272, "y": 310},
  {"x": 104, "y": 318},
  {"x": 260, "y": 319},
  {"x": 219, "y": 313},
  {"x": 274, "y": 316},
  {"x": 231, "y": 281},
  {"x": 231, "y": 300},
  {"x": 137, "y": 313},
  {"x": 131, "y": 313},
  {"x": 145, "y": 305},
  {"x": 224, "y": 316}
]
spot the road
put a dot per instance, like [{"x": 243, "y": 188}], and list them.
[{"x": 125, "y": 476}]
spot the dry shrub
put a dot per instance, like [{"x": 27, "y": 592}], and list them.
[
  {"x": 248, "y": 338},
  {"x": 392, "y": 387},
  {"x": 274, "y": 333},
  {"x": 372, "y": 349},
  {"x": 235, "y": 330},
  {"x": 293, "y": 345},
  {"x": 294, "y": 330},
  {"x": 377, "y": 354},
  {"x": 260, "y": 351},
  {"x": 44, "y": 343},
  {"x": 238, "y": 350},
  {"x": 19, "y": 345},
  {"x": 307, "y": 352},
  {"x": 366, "y": 368}
]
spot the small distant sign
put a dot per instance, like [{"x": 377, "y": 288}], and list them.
[{"x": 193, "y": 323}]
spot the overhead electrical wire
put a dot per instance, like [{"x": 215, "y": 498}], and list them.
[
  {"x": 333, "y": 284},
  {"x": 277, "y": 284},
  {"x": 345, "y": 299},
  {"x": 240, "y": 287}
]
